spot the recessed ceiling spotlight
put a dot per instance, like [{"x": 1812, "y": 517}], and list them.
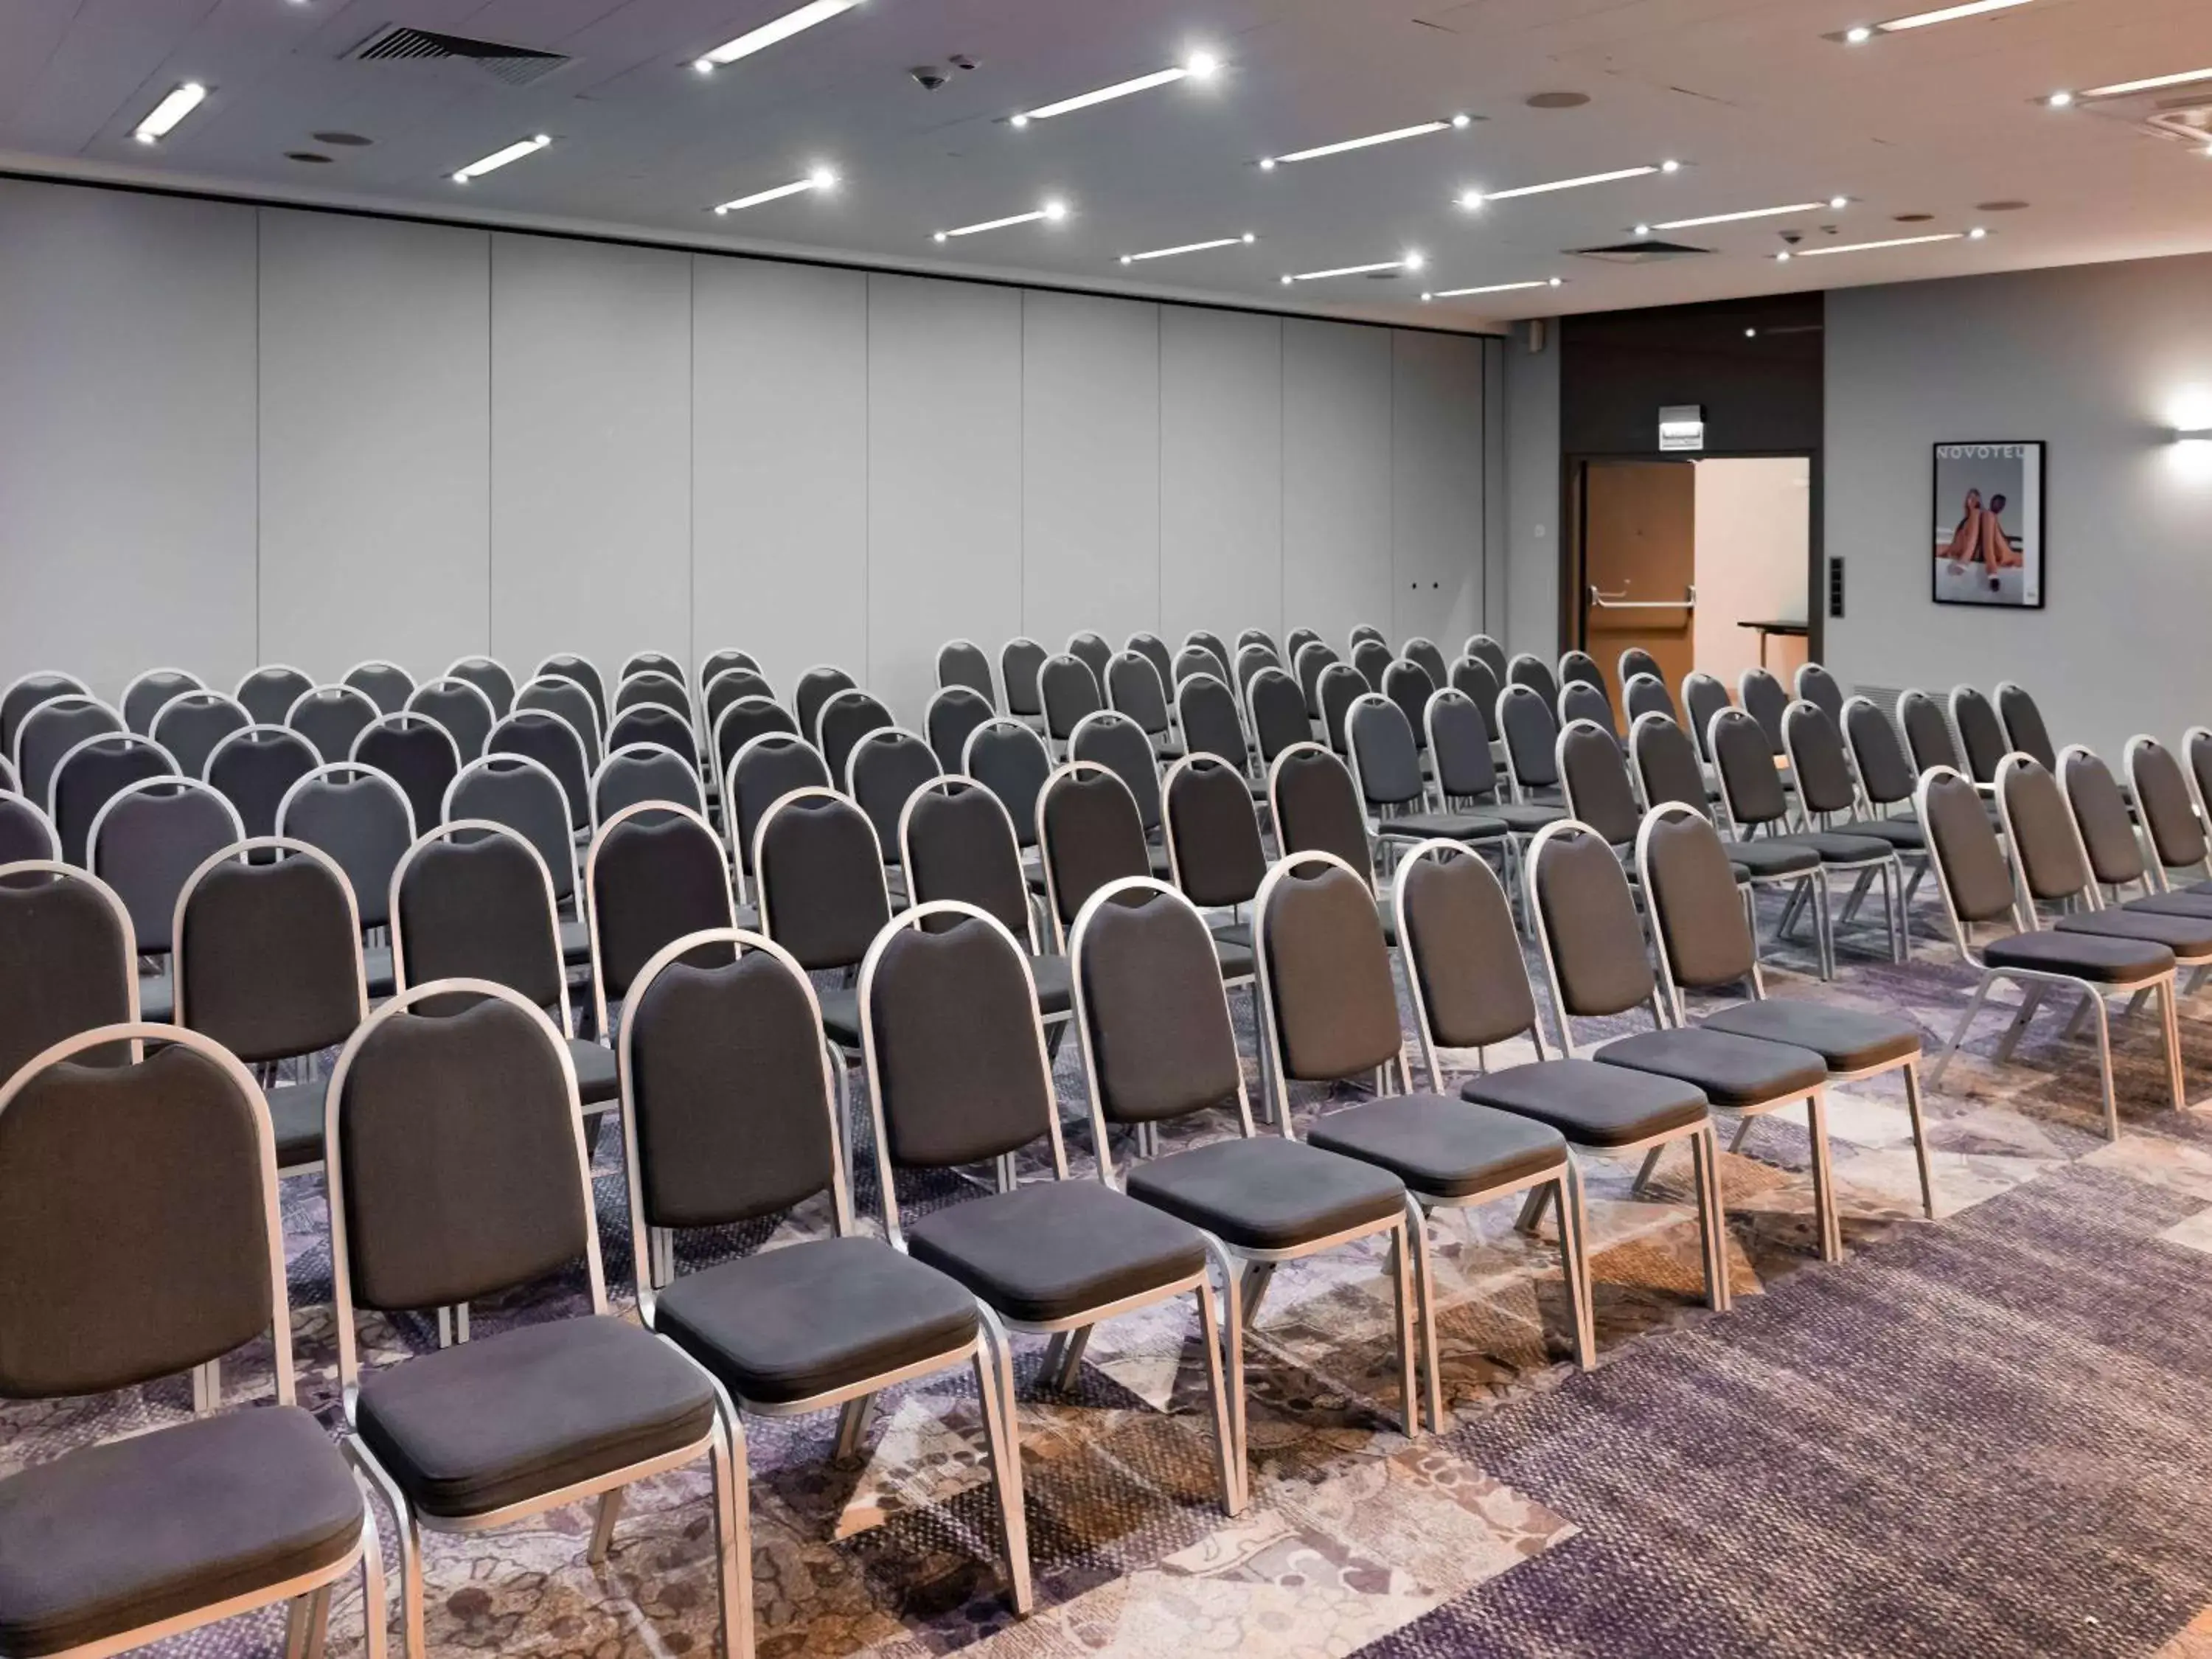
[
  {"x": 1475, "y": 198},
  {"x": 1403, "y": 262},
  {"x": 1642, "y": 230},
  {"x": 1894, "y": 242},
  {"x": 781, "y": 28},
  {"x": 1199, "y": 66},
  {"x": 1751, "y": 334},
  {"x": 2060, "y": 99},
  {"x": 1390, "y": 137},
  {"x": 500, "y": 158},
  {"x": 162, "y": 119},
  {"x": 2150, "y": 83},
  {"x": 1920, "y": 20},
  {"x": 1746, "y": 213},
  {"x": 1052, "y": 211},
  {"x": 819, "y": 179},
  {"x": 1462, "y": 121},
  {"x": 1976, "y": 235},
  {"x": 1493, "y": 288},
  {"x": 1671, "y": 166},
  {"x": 1190, "y": 247},
  {"x": 1859, "y": 36}
]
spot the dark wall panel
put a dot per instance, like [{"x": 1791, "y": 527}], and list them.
[{"x": 1761, "y": 391}]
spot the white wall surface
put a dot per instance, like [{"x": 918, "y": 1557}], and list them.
[
  {"x": 2098, "y": 362},
  {"x": 231, "y": 434},
  {"x": 1753, "y": 522},
  {"x": 1531, "y": 553}
]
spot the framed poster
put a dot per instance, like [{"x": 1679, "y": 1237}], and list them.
[{"x": 1989, "y": 525}]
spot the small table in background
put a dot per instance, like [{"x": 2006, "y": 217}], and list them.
[{"x": 1765, "y": 630}]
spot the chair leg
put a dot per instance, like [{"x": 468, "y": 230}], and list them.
[
  {"x": 207, "y": 1386},
  {"x": 2030, "y": 1001},
  {"x": 374, "y": 1612},
  {"x": 1742, "y": 1132},
  {"x": 733, "y": 1544},
  {"x": 1258, "y": 1275},
  {"x": 1063, "y": 1357},
  {"x": 603, "y": 1528},
  {"x": 2169, "y": 1000},
  {"x": 1574, "y": 1261},
  {"x": 2096, "y": 1005},
  {"x": 1644, "y": 1175},
  {"x": 1704, "y": 1153},
  {"x": 1826, "y": 1219},
  {"x": 2075, "y": 1025},
  {"x": 1425, "y": 1313},
  {"x": 1532, "y": 1211},
  {"x": 1981, "y": 995},
  {"x": 853, "y": 1420},
  {"x": 1920, "y": 1138},
  {"x": 1402, "y": 1277},
  {"x": 1228, "y": 1453},
  {"x": 296, "y": 1616},
  {"x": 995, "y": 1384}
]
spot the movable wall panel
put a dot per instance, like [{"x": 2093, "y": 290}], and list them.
[
  {"x": 1337, "y": 483},
  {"x": 375, "y": 442},
  {"x": 1435, "y": 489},
  {"x": 1221, "y": 472},
  {"x": 591, "y": 452},
  {"x": 126, "y": 435}
]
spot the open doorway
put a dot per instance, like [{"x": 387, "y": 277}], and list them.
[{"x": 1707, "y": 564}]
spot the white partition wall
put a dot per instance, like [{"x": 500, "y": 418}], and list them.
[{"x": 231, "y": 434}]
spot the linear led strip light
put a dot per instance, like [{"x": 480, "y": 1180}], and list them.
[
  {"x": 1475, "y": 198},
  {"x": 819, "y": 179},
  {"x": 1190, "y": 247},
  {"x": 164, "y": 116},
  {"x": 1835, "y": 201},
  {"x": 781, "y": 28},
  {"x": 1199, "y": 66},
  {"x": 1921, "y": 19},
  {"x": 1403, "y": 262},
  {"x": 1268, "y": 163},
  {"x": 2123, "y": 89},
  {"x": 1493, "y": 288},
  {"x": 1053, "y": 212},
  {"x": 1974, "y": 236},
  {"x": 500, "y": 158}
]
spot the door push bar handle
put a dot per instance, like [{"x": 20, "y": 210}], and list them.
[{"x": 1621, "y": 601}]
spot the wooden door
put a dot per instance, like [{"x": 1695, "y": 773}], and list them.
[{"x": 1640, "y": 549}]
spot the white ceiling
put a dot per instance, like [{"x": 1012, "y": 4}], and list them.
[{"x": 1756, "y": 103}]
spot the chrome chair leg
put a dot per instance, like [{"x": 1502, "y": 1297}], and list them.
[
  {"x": 602, "y": 1528},
  {"x": 1920, "y": 1138}
]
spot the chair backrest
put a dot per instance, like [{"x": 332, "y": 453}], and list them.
[
  {"x": 458, "y": 706},
  {"x": 1373, "y": 658},
  {"x": 1151, "y": 1012},
  {"x": 1020, "y": 661},
  {"x": 191, "y": 723},
  {"x": 652, "y": 662},
  {"x": 1212, "y": 722},
  {"x": 68, "y": 960},
  {"x": 1070, "y": 692},
  {"x": 253, "y": 767},
  {"x": 1593, "y": 777},
  {"x": 1587, "y": 929},
  {"x": 1459, "y": 746},
  {"x": 26, "y": 832},
  {"x": 2172, "y": 814},
  {"x": 1885, "y": 772},
  {"x": 387, "y": 684},
  {"x": 1579, "y": 700},
  {"x": 1463, "y": 962},
  {"x": 1637, "y": 660},
  {"x": 2197, "y": 750},
  {"x": 1765, "y": 702},
  {"x": 1154, "y": 650},
  {"x": 964, "y": 665},
  {"x": 1313, "y": 659},
  {"x": 1362, "y": 632},
  {"x": 1537, "y": 674},
  {"x": 1477, "y": 679},
  {"x": 822, "y": 896},
  {"x": 26, "y": 693},
  {"x": 1277, "y": 711},
  {"x": 739, "y": 722},
  {"x": 815, "y": 689},
  {"x": 728, "y": 1109},
  {"x": 953, "y": 713},
  {"x": 1750, "y": 787},
  {"x": 718, "y": 663},
  {"x": 1698, "y": 922},
  {"x": 1409, "y": 685},
  {"x": 659, "y": 726},
  {"x": 885, "y": 767},
  {"x": 331, "y": 717},
  {"x": 1315, "y": 807},
  {"x": 1429, "y": 658},
  {"x": 639, "y": 772},
  {"x": 525, "y": 794},
  {"x": 1817, "y": 760},
  {"x": 1133, "y": 687},
  {"x": 472, "y": 900},
  {"x": 540, "y": 735},
  {"x": 1253, "y": 659},
  {"x": 267, "y": 953},
  {"x": 362, "y": 819},
  {"x": 1981, "y": 733},
  {"x": 651, "y": 688},
  {"x": 654, "y": 874},
  {"x": 1212, "y": 834},
  {"x": 1488, "y": 651},
  {"x": 1340, "y": 685},
  {"x": 1817, "y": 686},
  {"x": 2100, "y": 814},
  {"x": 2022, "y": 721},
  {"x": 1119, "y": 743},
  {"x": 1329, "y": 1007},
  {"x": 1666, "y": 764},
  {"x": 1647, "y": 694},
  {"x": 2046, "y": 848},
  {"x": 1090, "y": 834},
  {"x": 87, "y": 777},
  {"x": 956, "y": 841},
  {"x": 1971, "y": 871},
  {"x": 1296, "y": 640},
  {"x": 1530, "y": 726},
  {"x": 1009, "y": 759},
  {"x": 416, "y": 753},
  {"x": 151, "y": 692},
  {"x": 179, "y": 1144},
  {"x": 572, "y": 702},
  {"x": 567, "y": 665},
  {"x": 1385, "y": 762},
  {"x": 456, "y": 1159},
  {"x": 1579, "y": 667},
  {"x": 1197, "y": 660},
  {"x": 735, "y": 685},
  {"x": 846, "y": 718},
  {"x": 1702, "y": 697},
  {"x": 147, "y": 838},
  {"x": 52, "y": 730},
  {"x": 489, "y": 676},
  {"x": 1256, "y": 636},
  {"x": 1215, "y": 646},
  {"x": 1091, "y": 650}
]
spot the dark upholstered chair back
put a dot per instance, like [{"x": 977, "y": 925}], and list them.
[
  {"x": 1093, "y": 652},
  {"x": 491, "y": 676},
  {"x": 1091, "y": 834},
  {"x": 1745, "y": 762},
  {"x": 1426, "y": 656},
  {"x": 2162, "y": 796},
  {"x": 28, "y": 693},
  {"x": 1409, "y": 685},
  {"x": 822, "y": 894},
  {"x": 1886, "y": 771},
  {"x": 1197, "y": 660},
  {"x": 1529, "y": 723},
  {"x": 1462, "y": 951},
  {"x": 1595, "y": 778},
  {"x": 960, "y": 845},
  {"x": 1459, "y": 746},
  {"x": 1637, "y": 660},
  {"x": 66, "y": 960},
  {"x": 1211, "y": 722},
  {"x": 475, "y": 903},
  {"x": 1118, "y": 744},
  {"x": 1666, "y": 764},
  {"x": 567, "y": 665},
  {"x": 362, "y": 818},
  {"x": 1764, "y": 701},
  {"x": 92, "y": 774},
  {"x": 650, "y": 722},
  {"x": 1579, "y": 668},
  {"x": 1581, "y": 700},
  {"x": 383, "y": 683},
  {"x": 964, "y": 663},
  {"x": 1157, "y": 1039},
  {"x": 1702, "y": 697},
  {"x": 844, "y": 720},
  {"x": 1927, "y": 733},
  {"x": 458, "y": 706},
  {"x": 654, "y": 873},
  {"x": 539, "y": 734},
  {"x": 721, "y": 662},
  {"x": 1479, "y": 681},
  {"x": 1009, "y": 759},
  {"x": 1817, "y": 686},
  {"x": 736, "y": 685},
  {"x": 25, "y": 831},
  {"x": 764, "y": 773},
  {"x": 1313, "y": 660},
  {"x": 415, "y": 752},
  {"x": 2024, "y": 729},
  {"x": 1251, "y": 659},
  {"x": 1326, "y": 971},
  {"x": 151, "y": 838},
  {"x": 1384, "y": 757},
  {"x": 1213, "y": 834},
  {"x": 815, "y": 689},
  {"x": 2100, "y": 812},
  {"x": 1133, "y": 687},
  {"x": 1537, "y": 674},
  {"x": 1019, "y": 664},
  {"x": 190, "y": 726},
  {"x": 651, "y": 662},
  {"x": 267, "y": 957},
  {"x": 1690, "y": 891},
  {"x": 331, "y": 717},
  {"x": 1981, "y": 733},
  {"x": 1647, "y": 694},
  {"x": 953, "y": 713},
  {"x": 1341, "y": 685},
  {"x": 528, "y": 797},
  {"x": 49, "y": 730},
  {"x": 2040, "y": 830},
  {"x": 255, "y": 766},
  {"x": 145, "y": 696},
  {"x": 1316, "y": 808},
  {"x": 1817, "y": 761},
  {"x": 134, "y": 1220},
  {"x": 651, "y": 688},
  {"x": 883, "y": 773},
  {"x": 1373, "y": 658},
  {"x": 458, "y": 1157},
  {"x": 269, "y": 693},
  {"x": 1965, "y": 847},
  {"x": 641, "y": 772},
  {"x": 1214, "y": 646},
  {"x": 1154, "y": 650},
  {"x": 1362, "y": 632},
  {"x": 1070, "y": 691},
  {"x": 1588, "y": 922}
]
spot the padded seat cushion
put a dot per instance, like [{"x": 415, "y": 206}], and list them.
[
  {"x": 1267, "y": 1193},
  {"x": 2157, "y": 904},
  {"x": 1237, "y": 962},
  {"x": 1522, "y": 817},
  {"x": 504, "y": 1419},
  {"x": 1733, "y": 1071},
  {"x": 1847, "y": 1039},
  {"x": 113, "y": 1537},
  {"x": 1053, "y": 1248},
  {"x": 1903, "y": 834},
  {"x": 296, "y": 1111},
  {"x": 841, "y": 1014},
  {"x": 376, "y": 967},
  {"x": 597, "y": 1081},
  {"x": 1055, "y": 987},
  {"x": 2104, "y": 958},
  {"x": 2186, "y": 936},
  {"x": 157, "y": 998},
  {"x": 576, "y": 945},
  {"x": 1239, "y": 934},
  {"x": 1441, "y": 1146},
  {"x": 1442, "y": 826},
  {"x": 1765, "y": 861},
  {"x": 1835, "y": 848},
  {"x": 1590, "y": 1104},
  {"x": 789, "y": 1323}
]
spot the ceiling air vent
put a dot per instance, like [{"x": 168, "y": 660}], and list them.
[
  {"x": 1645, "y": 251},
  {"x": 2178, "y": 114},
  {"x": 398, "y": 43}
]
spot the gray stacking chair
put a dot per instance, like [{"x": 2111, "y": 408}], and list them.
[
  {"x": 1762, "y": 699},
  {"x": 1637, "y": 660},
  {"x": 1329, "y": 1013},
  {"x": 145, "y": 841},
  {"x": 1068, "y": 692},
  {"x": 661, "y": 726},
  {"x": 1580, "y": 700},
  {"x": 1313, "y": 658},
  {"x": 1488, "y": 651},
  {"x": 721, "y": 662},
  {"x": 67, "y": 960},
  {"x": 1197, "y": 660},
  {"x": 651, "y": 662},
  {"x": 1020, "y": 662},
  {"x": 2170, "y": 801},
  {"x": 383, "y": 683},
  {"x": 1471, "y": 677},
  {"x": 524, "y": 794},
  {"x": 1134, "y": 687},
  {"x": 727, "y": 1118},
  {"x": 26, "y": 693},
  {"x": 331, "y": 717},
  {"x": 267, "y": 961},
  {"x": 1340, "y": 686},
  {"x": 1215, "y": 646},
  {"x": 735, "y": 685},
  {"x": 2024, "y": 730},
  {"x": 457, "y": 1171},
  {"x": 1928, "y": 735},
  {"x": 1160, "y": 1047},
  {"x": 884, "y": 769},
  {"x": 1534, "y": 672},
  {"x": 362, "y": 818},
  {"x": 957, "y": 842},
  {"x": 844, "y": 719},
  {"x": 111, "y": 1545},
  {"x": 964, "y": 663},
  {"x": 1529, "y": 726},
  {"x": 567, "y": 665},
  {"x": 1829, "y": 799},
  {"x": 415, "y": 752},
  {"x": 1426, "y": 655},
  {"x": 1315, "y": 807},
  {"x": 639, "y": 772},
  {"x": 766, "y": 769},
  {"x": 540, "y": 735},
  {"x": 1410, "y": 686},
  {"x": 191, "y": 723},
  {"x": 655, "y": 871},
  {"x": 1647, "y": 694},
  {"x": 1258, "y": 637},
  {"x": 1009, "y": 759},
  {"x": 1373, "y": 658},
  {"x": 741, "y": 721},
  {"x": 2109, "y": 838},
  {"x": 50, "y": 730},
  {"x": 1817, "y": 686},
  {"x": 1580, "y": 668},
  {"x": 1296, "y": 640},
  {"x": 1594, "y": 779},
  {"x": 253, "y": 767},
  {"x": 1469, "y": 985},
  {"x": 1154, "y": 650},
  {"x": 1119, "y": 743},
  {"x": 1212, "y": 722},
  {"x": 89, "y": 775},
  {"x": 149, "y": 693},
  {"x": 813, "y": 692},
  {"x": 571, "y": 701},
  {"x": 1703, "y": 943},
  {"x": 1386, "y": 770},
  {"x": 1975, "y": 878},
  {"x": 489, "y": 676},
  {"x": 25, "y": 831},
  {"x": 651, "y": 688},
  {"x": 957, "y": 1073},
  {"x": 472, "y": 899},
  {"x": 1365, "y": 631},
  {"x": 1884, "y": 769},
  {"x": 1467, "y": 772},
  {"x": 1093, "y": 652},
  {"x": 1275, "y": 710},
  {"x": 1215, "y": 856},
  {"x": 1702, "y": 697},
  {"x": 953, "y": 713},
  {"x": 1981, "y": 733},
  {"x": 8, "y": 780},
  {"x": 461, "y": 707}
]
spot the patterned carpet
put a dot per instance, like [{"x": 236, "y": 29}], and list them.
[{"x": 1991, "y": 1436}]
